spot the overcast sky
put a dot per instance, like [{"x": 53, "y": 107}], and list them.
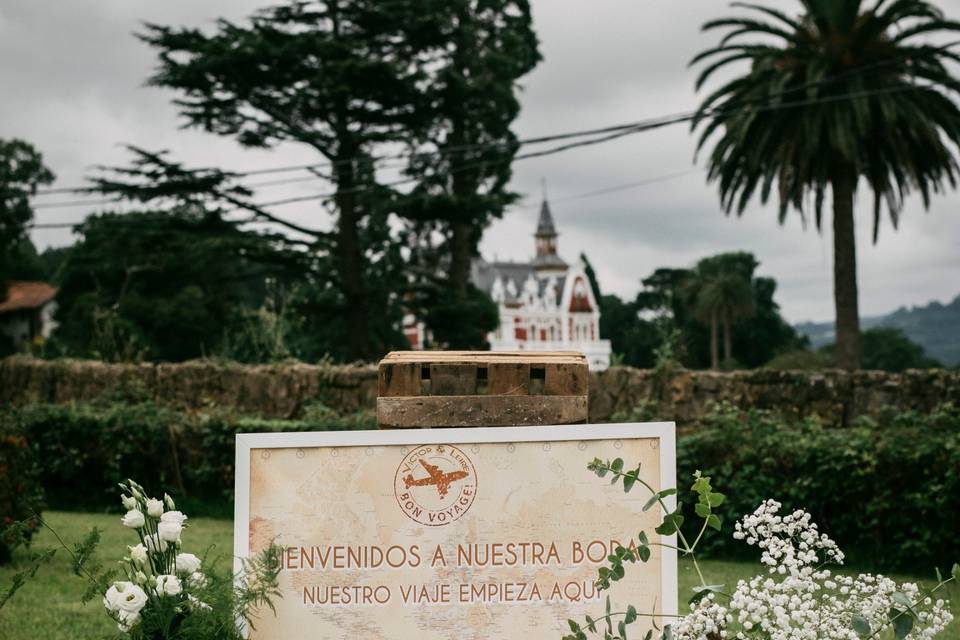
[{"x": 72, "y": 79}]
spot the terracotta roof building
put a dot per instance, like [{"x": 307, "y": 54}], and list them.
[{"x": 26, "y": 312}]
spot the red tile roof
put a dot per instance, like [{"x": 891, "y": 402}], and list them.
[{"x": 27, "y": 295}]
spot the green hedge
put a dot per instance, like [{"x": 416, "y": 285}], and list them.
[
  {"x": 888, "y": 491},
  {"x": 85, "y": 449}
]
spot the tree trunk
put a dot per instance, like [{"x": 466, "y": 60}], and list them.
[
  {"x": 727, "y": 343},
  {"x": 464, "y": 184},
  {"x": 845, "y": 270},
  {"x": 350, "y": 265},
  {"x": 461, "y": 252},
  {"x": 714, "y": 346}
]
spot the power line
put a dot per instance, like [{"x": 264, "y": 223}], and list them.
[
  {"x": 74, "y": 203},
  {"x": 612, "y": 129},
  {"x": 615, "y": 132},
  {"x": 581, "y": 196}
]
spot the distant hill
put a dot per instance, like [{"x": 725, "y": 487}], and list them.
[{"x": 935, "y": 327}]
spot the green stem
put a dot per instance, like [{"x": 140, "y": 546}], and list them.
[
  {"x": 76, "y": 560},
  {"x": 686, "y": 549},
  {"x": 912, "y": 606}
]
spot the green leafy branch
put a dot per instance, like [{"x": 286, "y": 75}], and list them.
[
  {"x": 615, "y": 570},
  {"x": 629, "y": 616}
]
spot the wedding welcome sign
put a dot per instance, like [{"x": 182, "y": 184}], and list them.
[{"x": 483, "y": 533}]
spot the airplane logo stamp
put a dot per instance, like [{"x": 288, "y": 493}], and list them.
[{"x": 435, "y": 484}]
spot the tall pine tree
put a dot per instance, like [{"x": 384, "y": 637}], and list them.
[
  {"x": 336, "y": 76},
  {"x": 464, "y": 164}
]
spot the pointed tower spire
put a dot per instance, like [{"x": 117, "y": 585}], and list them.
[
  {"x": 545, "y": 226},
  {"x": 546, "y": 238}
]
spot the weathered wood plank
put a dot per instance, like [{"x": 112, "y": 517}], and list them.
[
  {"x": 565, "y": 380},
  {"x": 508, "y": 379},
  {"x": 448, "y": 379},
  {"x": 480, "y": 411},
  {"x": 483, "y": 356},
  {"x": 399, "y": 379}
]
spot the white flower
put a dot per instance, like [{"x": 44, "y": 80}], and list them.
[
  {"x": 129, "y": 502},
  {"x": 154, "y": 543},
  {"x": 133, "y": 519},
  {"x": 197, "y": 580},
  {"x": 168, "y": 585},
  {"x": 187, "y": 563},
  {"x": 197, "y": 604},
  {"x": 174, "y": 516},
  {"x": 138, "y": 554},
  {"x": 169, "y": 502},
  {"x": 154, "y": 507},
  {"x": 125, "y": 596},
  {"x": 127, "y": 620},
  {"x": 169, "y": 531},
  {"x": 796, "y": 597}
]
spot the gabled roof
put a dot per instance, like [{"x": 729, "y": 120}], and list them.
[
  {"x": 27, "y": 295},
  {"x": 484, "y": 275}
]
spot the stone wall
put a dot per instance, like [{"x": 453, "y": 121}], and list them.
[
  {"x": 837, "y": 397},
  {"x": 271, "y": 391},
  {"x": 281, "y": 391}
]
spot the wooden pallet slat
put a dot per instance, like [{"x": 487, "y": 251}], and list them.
[
  {"x": 481, "y": 388},
  {"x": 508, "y": 378}
]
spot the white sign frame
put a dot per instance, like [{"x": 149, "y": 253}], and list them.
[{"x": 664, "y": 431}]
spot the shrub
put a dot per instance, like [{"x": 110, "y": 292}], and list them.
[
  {"x": 886, "y": 490},
  {"x": 93, "y": 446},
  {"x": 21, "y": 496}
]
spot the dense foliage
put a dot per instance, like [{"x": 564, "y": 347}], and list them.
[
  {"x": 888, "y": 349},
  {"x": 160, "y": 285},
  {"x": 878, "y": 486},
  {"x": 881, "y": 349},
  {"x": 21, "y": 493},
  {"x": 21, "y": 172},
  {"x": 92, "y": 445},
  {"x": 693, "y": 307}
]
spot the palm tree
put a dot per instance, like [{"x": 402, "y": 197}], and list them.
[
  {"x": 719, "y": 298},
  {"x": 843, "y": 91}
]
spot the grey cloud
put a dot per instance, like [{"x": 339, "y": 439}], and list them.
[{"x": 73, "y": 74}]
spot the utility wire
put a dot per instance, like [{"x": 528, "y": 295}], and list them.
[
  {"x": 612, "y": 129},
  {"x": 580, "y": 196},
  {"x": 618, "y": 131}
]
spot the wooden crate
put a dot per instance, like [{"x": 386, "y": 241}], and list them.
[{"x": 481, "y": 389}]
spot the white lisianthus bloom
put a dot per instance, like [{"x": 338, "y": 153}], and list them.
[
  {"x": 154, "y": 507},
  {"x": 138, "y": 554},
  {"x": 169, "y": 531},
  {"x": 127, "y": 620},
  {"x": 129, "y": 502},
  {"x": 174, "y": 516},
  {"x": 168, "y": 585},
  {"x": 167, "y": 500},
  {"x": 154, "y": 543},
  {"x": 125, "y": 596},
  {"x": 197, "y": 580},
  {"x": 187, "y": 563},
  {"x": 133, "y": 519}
]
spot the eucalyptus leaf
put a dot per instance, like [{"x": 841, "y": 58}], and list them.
[{"x": 860, "y": 625}]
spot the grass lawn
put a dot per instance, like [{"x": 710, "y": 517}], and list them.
[{"x": 49, "y": 607}]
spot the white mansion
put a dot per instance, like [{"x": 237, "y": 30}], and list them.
[{"x": 545, "y": 304}]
